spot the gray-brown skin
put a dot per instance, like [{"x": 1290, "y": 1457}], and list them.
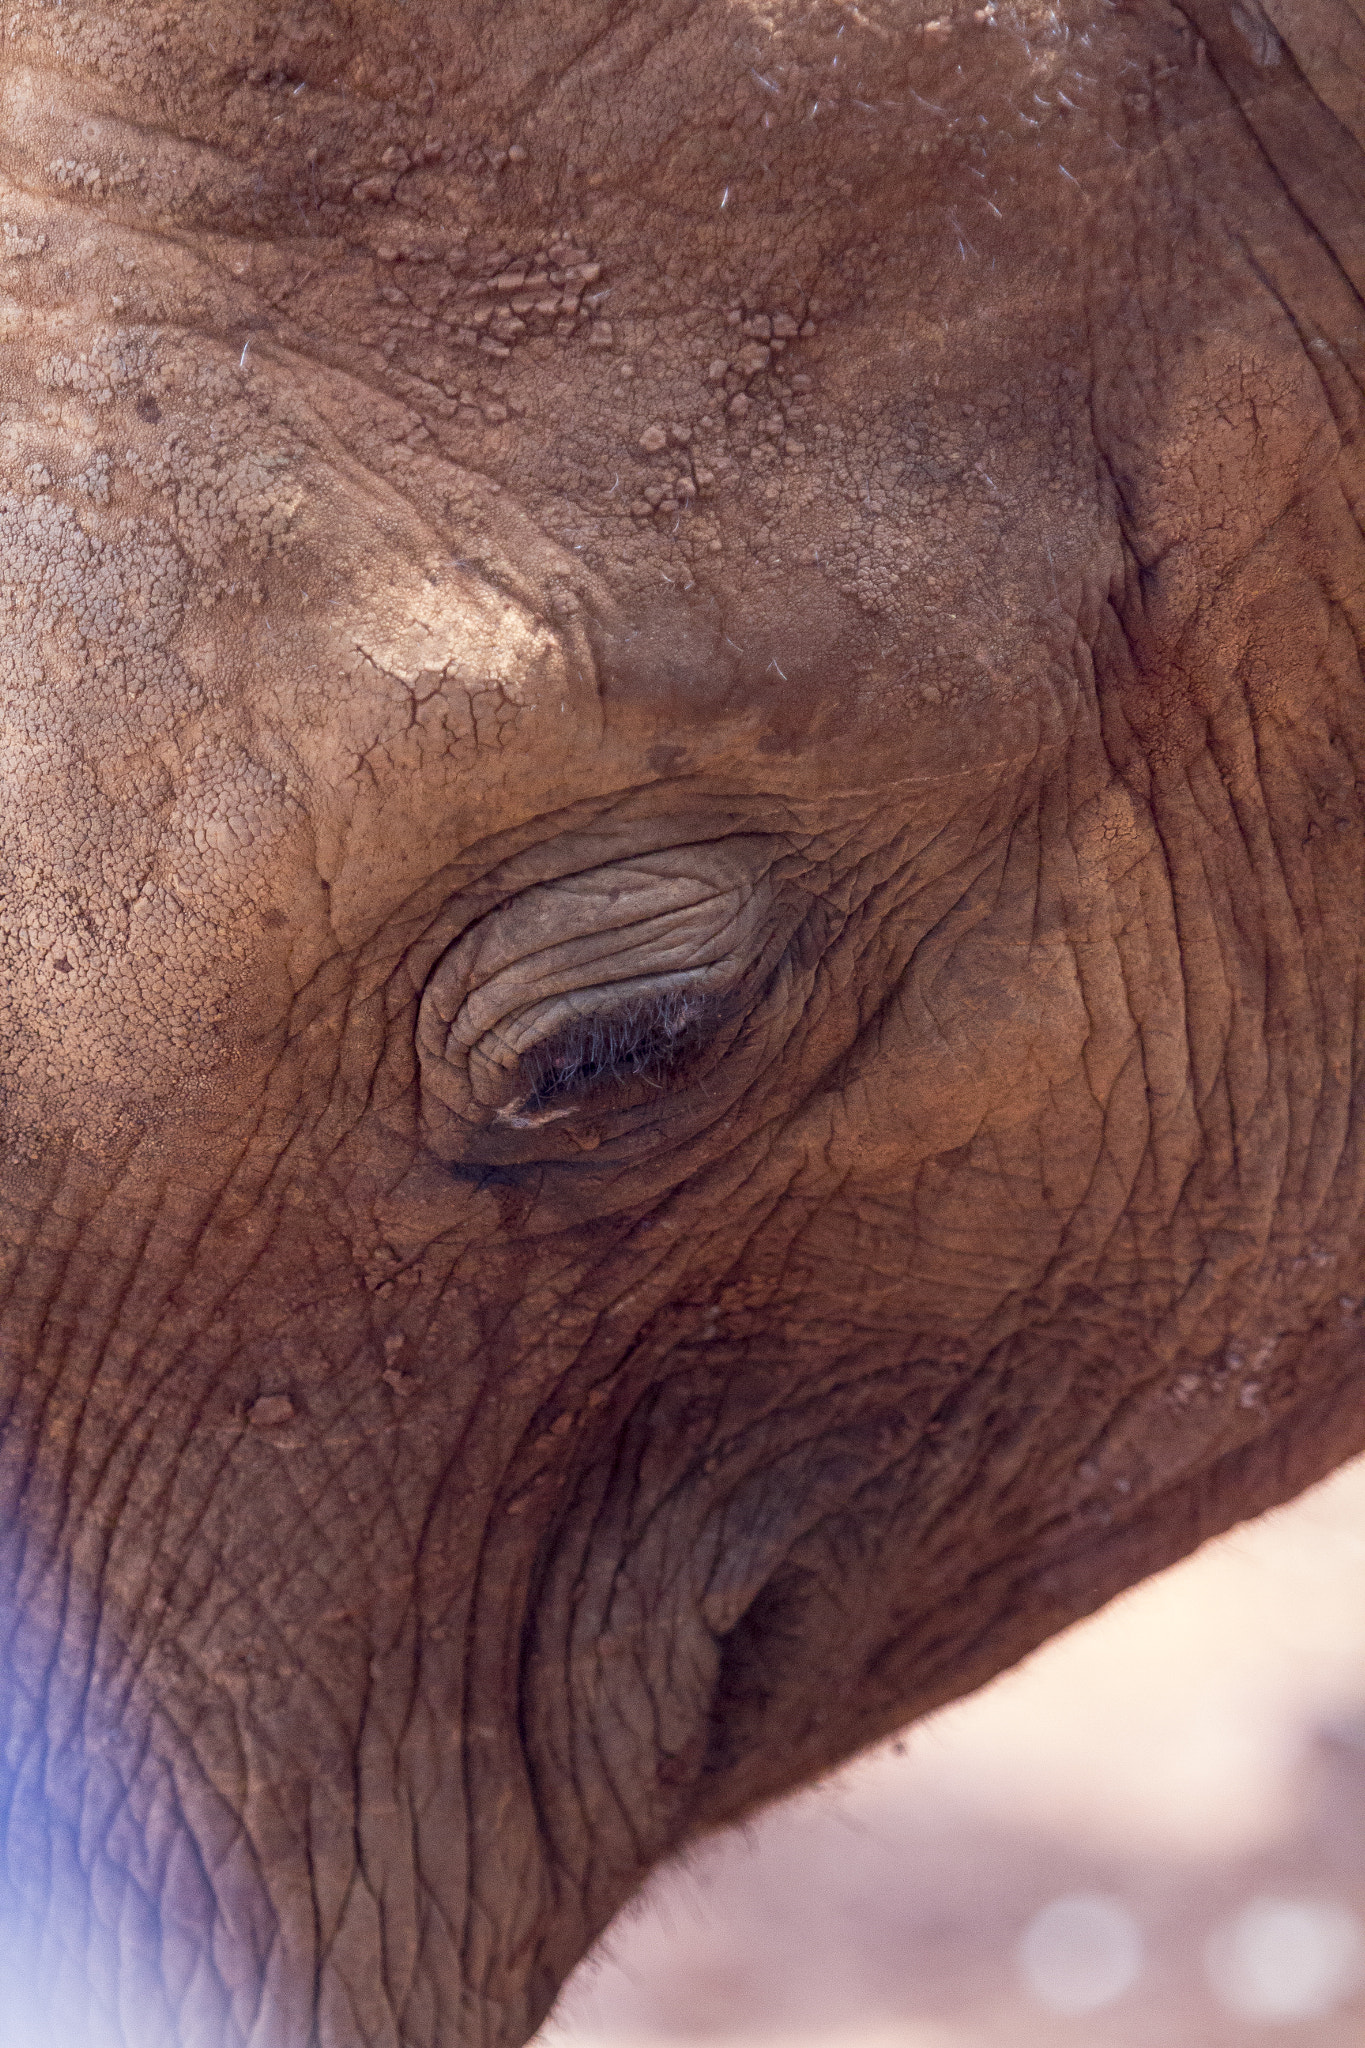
[{"x": 681, "y": 906}]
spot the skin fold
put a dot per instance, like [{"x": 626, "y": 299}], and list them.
[{"x": 680, "y": 930}]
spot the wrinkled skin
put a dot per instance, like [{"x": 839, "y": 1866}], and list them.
[{"x": 643, "y": 1135}]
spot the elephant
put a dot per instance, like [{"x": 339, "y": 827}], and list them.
[{"x": 682, "y": 914}]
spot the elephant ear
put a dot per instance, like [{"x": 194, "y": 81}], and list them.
[
  {"x": 1326, "y": 39},
  {"x": 1296, "y": 69}
]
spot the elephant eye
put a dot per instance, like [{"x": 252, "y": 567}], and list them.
[
  {"x": 644, "y": 1041},
  {"x": 612, "y": 991}
]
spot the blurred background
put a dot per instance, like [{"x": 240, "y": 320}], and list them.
[{"x": 1150, "y": 1835}]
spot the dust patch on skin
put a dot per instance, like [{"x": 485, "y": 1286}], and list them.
[
  {"x": 667, "y": 408},
  {"x": 139, "y": 816},
  {"x": 210, "y": 608},
  {"x": 223, "y": 471}
]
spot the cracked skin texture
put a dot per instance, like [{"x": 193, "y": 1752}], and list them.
[{"x": 815, "y": 549}]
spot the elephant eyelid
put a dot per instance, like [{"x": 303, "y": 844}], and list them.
[{"x": 637, "y": 1041}]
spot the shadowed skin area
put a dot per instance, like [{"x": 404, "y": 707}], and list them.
[{"x": 680, "y": 930}]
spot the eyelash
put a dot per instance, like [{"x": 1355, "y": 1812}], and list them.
[{"x": 645, "y": 1042}]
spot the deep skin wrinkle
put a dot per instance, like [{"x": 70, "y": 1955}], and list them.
[{"x": 510, "y": 514}]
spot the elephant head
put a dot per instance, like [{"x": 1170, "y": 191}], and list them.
[{"x": 681, "y": 929}]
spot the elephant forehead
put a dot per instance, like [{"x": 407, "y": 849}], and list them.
[
  {"x": 680, "y": 349},
  {"x": 810, "y": 485}
]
